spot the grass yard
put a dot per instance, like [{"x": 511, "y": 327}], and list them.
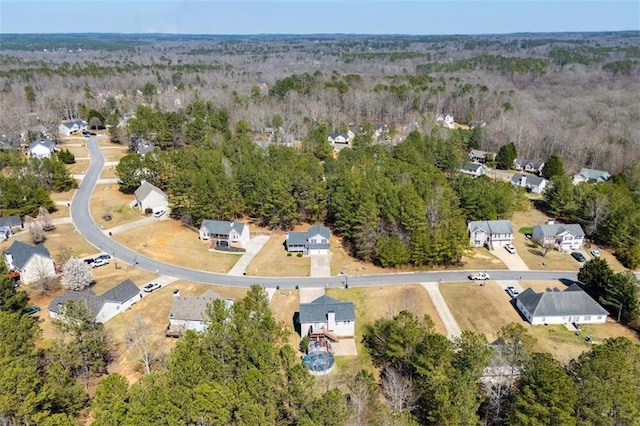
[
  {"x": 171, "y": 242},
  {"x": 63, "y": 196},
  {"x": 109, "y": 172},
  {"x": 77, "y": 151},
  {"x": 62, "y": 211},
  {"x": 372, "y": 303},
  {"x": 108, "y": 276},
  {"x": 272, "y": 260},
  {"x": 79, "y": 167},
  {"x": 283, "y": 305},
  {"x": 482, "y": 259},
  {"x": 114, "y": 153},
  {"x": 107, "y": 199},
  {"x": 342, "y": 260}
]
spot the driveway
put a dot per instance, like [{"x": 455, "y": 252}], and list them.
[
  {"x": 513, "y": 261},
  {"x": 132, "y": 225},
  {"x": 309, "y": 294},
  {"x": 320, "y": 265},
  {"x": 447, "y": 318},
  {"x": 254, "y": 245}
]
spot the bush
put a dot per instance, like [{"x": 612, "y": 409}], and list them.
[
  {"x": 148, "y": 210},
  {"x": 289, "y": 254},
  {"x": 304, "y": 344},
  {"x": 299, "y": 254},
  {"x": 66, "y": 156}
]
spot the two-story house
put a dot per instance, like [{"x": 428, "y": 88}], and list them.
[
  {"x": 564, "y": 237},
  {"x": 490, "y": 233},
  {"x": 315, "y": 241}
]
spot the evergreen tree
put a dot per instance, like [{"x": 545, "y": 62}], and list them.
[
  {"x": 553, "y": 167},
  {"x": 506, "y": 156}
]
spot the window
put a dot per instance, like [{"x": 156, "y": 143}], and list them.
[{"x": 587, "y": 317}]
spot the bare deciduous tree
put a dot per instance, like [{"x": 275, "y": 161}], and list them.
[
  {"x": 76, "y": 275},
  {"x": 398, "y": 391},
  {"x": 35, "y": 231},
  {"x": 45, "y": 220},
  {"x": 145, "y": 343}
]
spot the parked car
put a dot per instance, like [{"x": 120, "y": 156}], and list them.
[
  {"x": 150, "y": 287},
  {"x": 595, "y": 253},
  {"x": 158, "y": 213},
  {"x": 89, "y": 261},
  {"x": 33, "y": 310},
  {"x": 511, "y": 291},
  {"x": 103, "y": 257},
  {"x": 510, "y": 248},
  {"x": 99, "y": 262},
  {"x": 479, "y": 276},
  {"x": 578, "y": 256}
]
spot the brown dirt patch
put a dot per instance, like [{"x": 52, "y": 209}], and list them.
[
  {"x": 63, "y": 196},
  {"x": 62, "y": 211},
  {"x": 107, "y": 199},
  {"x": 272, "y": 260},
  {"x": 77, "y": 151},
  {"x": 169, "y": 241},
  {"x": 79, "y": 167},
  {"x": 283, "y": 305},
  {"x": 109, "y": 172},
  {"x": 482, "y": 259},
  {"x": 114, "y": 152}
]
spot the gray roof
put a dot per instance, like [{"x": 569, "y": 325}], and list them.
[
  {"x": 476, "y": 153},
  {"x": 492, "y": 227},
  {"x": 302, "y": 238},
  {"x": 69, "y": 124},
  {"x": 10, "y": 221},
  {"x": 335, "y": 135},
  {"x": 534, "y": 164},
  {"x": 192, "y": 308},
  {"x": 145, "y": 189},
  {"x": 121, "y": 293},
  {"x": 21, "y": 253},
  {"x": 572, "y": 301},
  {"x": 42, "y": 142},
  {"x": 530, "y": 180},
  {"x": 144, "y": 146},
  {"x": 471, "y": 167},
  {"x": 593, "y": 174},
  {"x": 558, "y": 228},
  {"x": 222, "y": 227},
  {"x": 317, "y": 310}
]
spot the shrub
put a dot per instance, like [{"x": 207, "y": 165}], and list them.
[
  {"x": 299, "y": 254},
  {"x": 148, "y": 210},
  {"x": 66, "y": 156},
  {"x": 304, "y": 344},
  {"x": 289, "y": 254}
]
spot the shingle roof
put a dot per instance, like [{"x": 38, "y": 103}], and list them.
[
  {"x": 557, "y": 229},
  {"x": 572, "y": 301},
  {"x": 10, "y": 221},
  {"x": 301, "y": 238},
  {"x": 21, "y": 253},
  {"x": 222, "y": 227},
  {"x": 491, "y": 227},
  {"x": 476, "y": 153},
  {"x": 530, "y": 180},
  {"x": 42, "y": 142},
  {"x": 192, "y": 308},
  {"x": 317, "y": 310},
  {"x": 145, "y": 189},
  {"x": 593, "y": 174},
  {"x": 69, "y": 124},
  {"x": 121, "y": 293},
  {"x": 471, "y": 167}
]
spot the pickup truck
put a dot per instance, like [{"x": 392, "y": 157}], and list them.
[{"x": 479, "y": 276}]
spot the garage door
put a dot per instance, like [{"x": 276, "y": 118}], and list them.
[{"x": 318, "y": 251}]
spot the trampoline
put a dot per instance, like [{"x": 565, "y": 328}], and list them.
[{"x": 318, "y": 363}]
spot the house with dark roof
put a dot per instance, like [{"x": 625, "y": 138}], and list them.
[
  {"x": 572, "y": 305},
  {"x": 8, "y": 225},
  {"x": 531, "y": 183},
  {"x": 32, "y": 262},
  {"x": 473, "y": 169},
  {"x": 102, "y": 308},
  {"x": 149, "y": 196},
  {"x": 490, "y": 233},
  {"x": 328, "y": 317},
  {"x": 478, "y": 156},
  {"x": 143, "y": 146},
  {"x": 529, "y": 166},
  {"x": 340, "y": 138},
  {"x": 190, "y": 312},
  {"x": 41, "y": 148},
  {"x": 563, "y": 237},
  {"x": 590, "y": 175},
  {"x": 315, "y": 241},
  {"x": 233, "y": 233},
  {"x": 67, "y": 127}
]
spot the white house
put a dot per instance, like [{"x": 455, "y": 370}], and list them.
[
  {"x": 151, "y": 197},
  {"x": 328, "y": 317},
  {"x": 102, "y": 308},
  {"x": 7, "y": 226},
  {"x": 236, "y": 233},
  {"x": 67, "y": 127},
  {"x": 490, "y": 233},
  {"x": 560, "y": 236},
  {"x": 446, "y": 120},
  {"x": 473, "y": 169},
  {"x": 478, "y": 156},
  {"x": 341, "y": 138},
  {"x": 531, "y": 183},
  {"x": 41, "y": 148},
  {"x": 32, "y": 262},
  {"x": 315, "y": 241},
  {"x": 572, "y": 305},
  {"x": 529, "y": 166},
  {"x": 190, "y": 312},
  {"x": 590, "y": 175}
]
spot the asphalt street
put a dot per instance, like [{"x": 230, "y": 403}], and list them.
[{"x": 85, "y": 225}]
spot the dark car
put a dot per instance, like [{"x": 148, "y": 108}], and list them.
[
  {"x": 103, "y": 257},
  {"x": 33, "y": 310},
  {"x": 578, "y": 256},
  {"x": 89, "y": 261}
]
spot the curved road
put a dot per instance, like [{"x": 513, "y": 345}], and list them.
[{"x": 84, "y": 223}]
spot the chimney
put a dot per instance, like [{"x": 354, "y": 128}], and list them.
[
  {"x": 286, "y": 236},
  {"x": 550, "y": 222}
]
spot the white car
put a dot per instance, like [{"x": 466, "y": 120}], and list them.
[
  {"x": 150, "y": 287},
  {"x": 511, "y": 291},
  {"x": 595, "y": 253},
  {"x": 510, "y": 248},
  {"x": 99, "y": 262},
  {"x": 483, "y": 276},
  {"x": 158, "y": 213}
]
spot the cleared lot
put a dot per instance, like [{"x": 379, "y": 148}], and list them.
[
  {"x": 107, "y": 199},
  {"x": 272, "y": 260}
]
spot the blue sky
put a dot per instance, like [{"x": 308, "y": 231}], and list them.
[{"x": 313, "y": 17}]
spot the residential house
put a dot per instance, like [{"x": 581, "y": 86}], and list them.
[
  {"x": 315, "y": 241},
  {"x": 473, "y": 169},
  {"x": 149, "y": 196},
  {"x": 224, "y": 232},
  {"x": 341, "y": 138},
  {"x": 560, "y": 236},
  {"x": 67, "y": 127},
  {"x": 478, "y": 156},
  {"x": 590, "y": 175},
  {"x": 143, "y": 146},
  {"x": 41, "y": 148},
  {"x": 490, "y": 233},
  {"x": 8, "y": 224},
  {"x": 190, "y": 312},
  {"x": 529, "y": 166},
  {"x": 328, "y": 317},
  {"x": 446, "y": 120},
  {"x": 572, "y": 305},
  {"x": 32, "y": 262},
  {"x": 101, "y": 308},
  {"x": 380, "y": 131},
  {"x": 531, "y": 183}
]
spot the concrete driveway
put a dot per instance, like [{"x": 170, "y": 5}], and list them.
[
  {"x": 254, "y": 246},
  {"x": 320, "y": 265},
  {"x": 447, "y": 318},
  {"x": 513, "y": 261}
]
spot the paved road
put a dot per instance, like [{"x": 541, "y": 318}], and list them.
[{"x": 88, "y": 228}]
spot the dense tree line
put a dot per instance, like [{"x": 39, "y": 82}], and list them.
[{"x": 467, "y": 381}]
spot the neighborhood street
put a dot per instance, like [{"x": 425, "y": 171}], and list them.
[{"x": 86, "y": 226}]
